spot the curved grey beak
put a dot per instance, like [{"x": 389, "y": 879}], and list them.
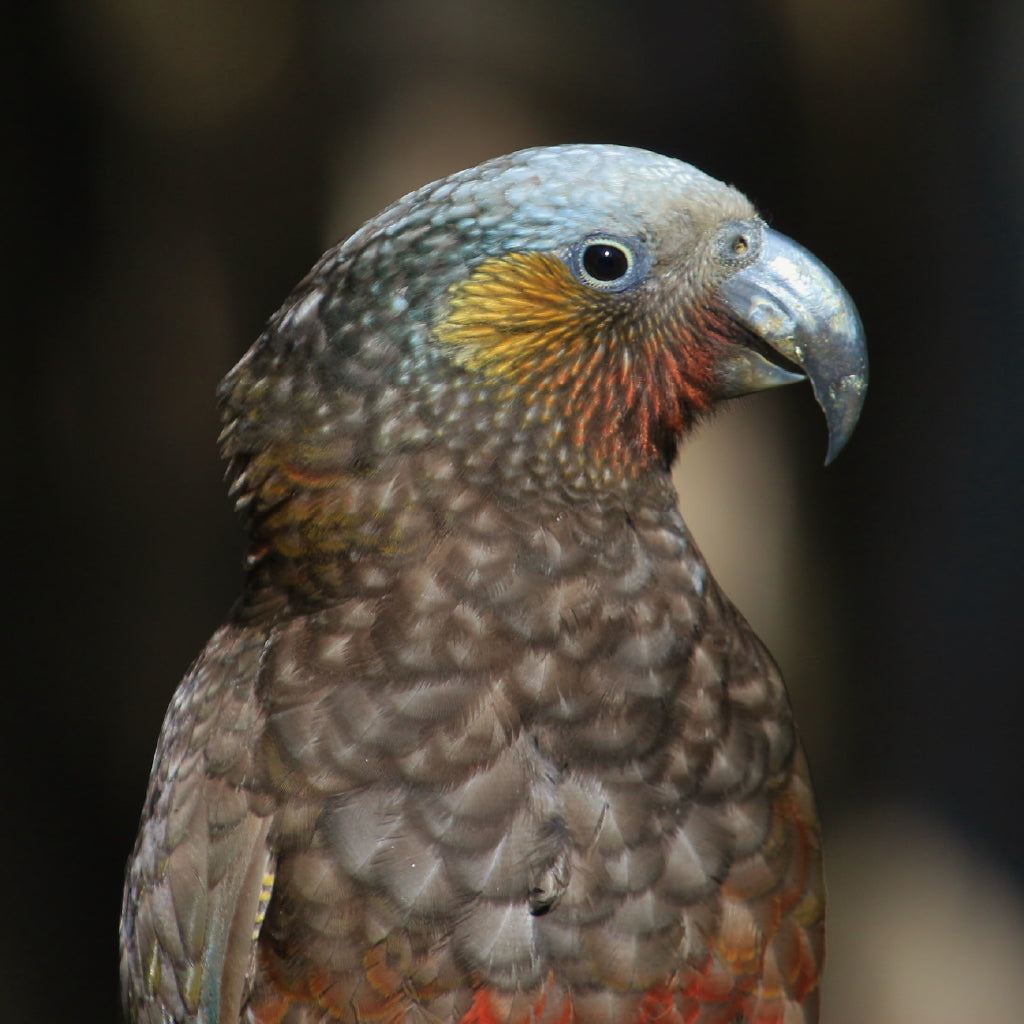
[{"x": 798, "y": 308}]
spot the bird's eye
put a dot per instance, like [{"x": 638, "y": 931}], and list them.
[{"x": 606, "y": 264}]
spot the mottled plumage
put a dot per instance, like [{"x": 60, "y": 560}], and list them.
[{"x": 483, "y": 741}]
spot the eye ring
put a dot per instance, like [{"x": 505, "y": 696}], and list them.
[{"x": 606, "y": 263}]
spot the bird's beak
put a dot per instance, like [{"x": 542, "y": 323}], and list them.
[{"x": 796, "y": 306}]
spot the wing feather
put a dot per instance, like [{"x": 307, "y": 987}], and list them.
[{"x": 200, "y": 875}]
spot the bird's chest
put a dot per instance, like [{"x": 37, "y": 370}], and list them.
[
  {"x": 516, "y": 671},
  {"x": 602, "y": 648},
  {"x": 519, "y": 748}
]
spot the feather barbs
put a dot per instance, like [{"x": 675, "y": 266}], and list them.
[{"x": 623, "y": 371}]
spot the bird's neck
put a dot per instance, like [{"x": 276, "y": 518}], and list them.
[
  {"x": 339, "y": 484},
  {"x": 591, "y": 620},
  {"x": 322, "y": 528}
]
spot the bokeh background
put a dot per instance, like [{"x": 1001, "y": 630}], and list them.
[{"x": 170, "y": 170}]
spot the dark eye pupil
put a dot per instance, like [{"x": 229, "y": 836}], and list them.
[{"x": 605, "y": 262}]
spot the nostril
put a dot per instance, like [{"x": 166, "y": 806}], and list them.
[{"x": 737, "y": 241}]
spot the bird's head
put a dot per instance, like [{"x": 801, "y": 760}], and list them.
[
  {"x": 618, "y": 294},
  {"x": 567, "y": 311}
]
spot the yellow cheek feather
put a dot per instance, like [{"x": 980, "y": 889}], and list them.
[
  {"x": 616, "y": 373},
  {"x": 524, "y": 318}
]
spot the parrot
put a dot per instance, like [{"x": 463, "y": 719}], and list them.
[{"x": 483, "y": 741}]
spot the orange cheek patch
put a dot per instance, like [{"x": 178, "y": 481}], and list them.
[
  {"x": 524, "y": 317},
  {"x": 621, "y": 370}
]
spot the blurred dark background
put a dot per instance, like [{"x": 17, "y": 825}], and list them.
[{"x": 170, "y": 170}]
